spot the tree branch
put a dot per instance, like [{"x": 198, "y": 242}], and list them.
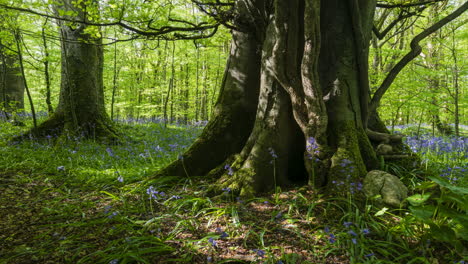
[
  {"x": 413, "y": 53},
  {"x": 408, "y": 5},
  {"x": 401, "y": 16},
  {"x": 153, "y": 32}
]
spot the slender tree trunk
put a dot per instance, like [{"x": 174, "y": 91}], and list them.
[
  {"x": 23, "y": 76},
  {"x": 114, "y": 82},
  {"x": 456, "y": 93},
  {"x": 197, "y": 82},
  {"x": 50, "y": 108},
  {"x": 170, "y": 88},
  {"x": 204, "y": 93},
  {"x": 186, "y": 94}
]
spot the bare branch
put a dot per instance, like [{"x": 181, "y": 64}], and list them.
[
  {"x": 408, "y": 5},
  {"x": 401, "y": 16}
]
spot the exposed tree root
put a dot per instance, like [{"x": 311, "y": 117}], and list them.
[{"x": 57, "y": 128}]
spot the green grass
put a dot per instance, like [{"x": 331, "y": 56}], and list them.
[{"x": 65, "y": 204}]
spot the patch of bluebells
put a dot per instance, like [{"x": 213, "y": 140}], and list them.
[
  {"x": 438, "y": 145},
  {"x": 348, "y": 169},
  {"x": 154, "y": 194},
  {"x": 174, "y": 147},
  {"x": 158, "y": 195},
  {"x": 455, "y": 173},
  {"x": 110, "y": 152},
  {"x": 352, "y": 234},
  {"x": 331, "y": 236},
  {"x": 312, "y": 148}
]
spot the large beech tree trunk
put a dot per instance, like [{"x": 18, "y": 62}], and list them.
[
  {"x": 81, "y": 110},
  {"x": 307, "y": 60}
]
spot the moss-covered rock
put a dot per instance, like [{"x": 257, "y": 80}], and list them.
[{"x": 386, "y": 188}]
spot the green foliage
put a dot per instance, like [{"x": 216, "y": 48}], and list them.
[{"x": 445, "y": 211}]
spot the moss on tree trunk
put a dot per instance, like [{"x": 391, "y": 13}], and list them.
[
  {"x": 311, "y": 120},
  {"x": 80, "y": 112},
  {"x": 11, "y": 82}
]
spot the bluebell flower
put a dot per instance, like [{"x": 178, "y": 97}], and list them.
[
  {"x": 120, "y": 179},
  {"x": 173, "y": 146},
  {"x": 114, "y": 261},
  {"x": 110, "y": 152},
  {"x": 345, "y": 162},
  {"x": 351, "y": 232},
  {"x": 259, "y": 252},
  {"x": 61, "y": 168},
  {"x": 279, "y": 215},
  {"x": 312, "y": 145},
  {"x": 227, "y": 190},
  {"x": 112, "y": 215},
  {"x": 212, "y": 241},
  {"x": 107, "y": 208},
  {"x": 332, "y": 238},
  {"x": 369, "y": 255},
  {"x": 347, "y": 224},
  {"x": 152, "y": 192},
  {"x": 229, "y": 169},
  {"x": 326, "y": 229},
  {"x": 354, "y": 240},
  {"x": 224, "y": 235},
  {"x": 365, "y": 231},
  {"x": 272, "y": 153}
]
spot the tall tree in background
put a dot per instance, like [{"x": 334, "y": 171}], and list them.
[
  {"x": 11, "y": 81},
  {"x": 308, "y": 61},
  {"x": 81, "y": 110}
]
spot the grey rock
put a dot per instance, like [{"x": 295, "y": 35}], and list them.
[{"x": 387, "y": 188}]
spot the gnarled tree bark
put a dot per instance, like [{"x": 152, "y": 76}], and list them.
[{"x": 309, "y": 62}]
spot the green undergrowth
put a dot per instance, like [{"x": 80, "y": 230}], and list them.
[{"x": 82, "y": 202}]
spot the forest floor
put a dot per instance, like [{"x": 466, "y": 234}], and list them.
[{"x": 88, "y": 203}]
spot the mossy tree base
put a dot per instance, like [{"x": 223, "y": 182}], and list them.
[
  {"x": 312, "y": 109},
  {"x": 58, "y": 128}
]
